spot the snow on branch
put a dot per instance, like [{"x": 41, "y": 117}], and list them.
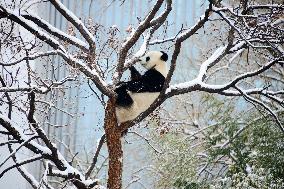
[
  {"x": 56, "y": 32},
  {"x": 70, "y": 16},
  {"x": 198, "y": 84},
  {"x": 266, "y": 6},
  {"x": 29, "y": 177},
  {"x": 20, "y": 163},
  {"x": 198, "y": 81},
  {"x": 49, "y": 151},
  {"x": 38, "y": 89},
  {"x": 56, "y": 45},
  {"x": 95, "y": 157},
  {"x": 160, "y": 41},
  {"x": 18, "y": 134},
  {"x": 16, "y": 150},
  {"x": 182, "y": 37},
  {"x": 90, "y": 74},
  {"x": 263, "y": 91},
  {"x": 31, "y": 57},
  {"x": 24, "y": 89},
  {"x": 215, "y": 57}
]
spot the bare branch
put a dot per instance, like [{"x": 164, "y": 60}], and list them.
[
  {"x": 95, "y": 158},
  {"x": 16, "y": 150},
  {"x": 23, "y": 162},
  {"x": 31, "y": 57},
  {"x": 253, "y": 100}
]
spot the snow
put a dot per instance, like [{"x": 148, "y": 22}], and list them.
[
  {"x": 182, "y": 85},
  {"x": 236, "y": 55},
  {"x": 205, "y": 65},
  {"x": 202, "y": 72},
  {"x": 69, "y": 169},
  {"x": 98, "y": 142},
  {"x": 129, "y": 37},
  {"x": 44, "y": 150},
  {"x": 76, "y": 20},
  {"x": 34, "y": 27},
  {"x": 55, "y": 30},
  {"x": 214, "y": 87},
  {"x": 245, "y": 91},
  {"x": 30, "y": 176},
  {"x": 84, "y": 67},
  {"x": 143, "y": 47},
  {"x": 90, "y": 181},
  {"x": 14, "y": 151}
]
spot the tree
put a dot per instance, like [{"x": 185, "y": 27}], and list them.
[
  {"x": 224, "y": 149},
  {"x": 251, "y": 26}
]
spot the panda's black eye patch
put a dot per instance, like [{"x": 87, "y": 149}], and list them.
[{"x": 147, "y": 58}]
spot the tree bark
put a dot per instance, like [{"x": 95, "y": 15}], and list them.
[{"x": 114, "y": 146}]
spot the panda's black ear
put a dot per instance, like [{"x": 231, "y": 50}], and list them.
[{"x": 164, "y": 56}]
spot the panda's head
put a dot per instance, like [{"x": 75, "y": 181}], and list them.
[{"x": 156, "y": 60}]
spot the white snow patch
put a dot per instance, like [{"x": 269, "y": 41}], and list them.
[{"x": 236, "y": 55}]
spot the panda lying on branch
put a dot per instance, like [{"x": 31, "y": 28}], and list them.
[{"x": 136, "y": 96}]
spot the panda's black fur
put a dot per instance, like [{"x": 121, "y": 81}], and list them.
[{"x": 151, "y": 81}]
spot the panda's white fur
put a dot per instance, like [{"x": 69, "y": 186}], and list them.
[
  {"x": 155, "y": 62},
  {"x": 142, "y": 101}
]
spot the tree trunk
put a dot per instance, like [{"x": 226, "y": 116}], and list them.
[{"x": 113, "y": 136}]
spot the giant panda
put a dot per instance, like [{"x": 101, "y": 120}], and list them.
[{"x": 136, "y": 96}]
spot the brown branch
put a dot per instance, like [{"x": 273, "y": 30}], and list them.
[
  {"x": 17, "y": 136},
  {"x": 100, "y": 84},
  {"x": 155, "y": 24},
  {"x": 183, "y": 36},
  {"x": 251, "y": 74}
]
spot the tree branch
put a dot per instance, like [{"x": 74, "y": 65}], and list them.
[{"x": 75, "y": 21}]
